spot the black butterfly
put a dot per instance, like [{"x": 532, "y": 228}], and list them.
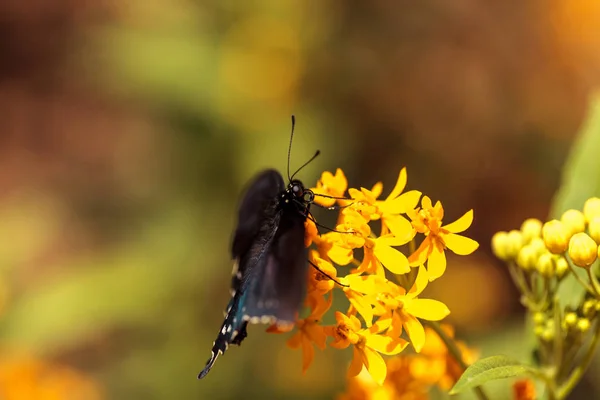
[{"x": 269, "y": 275}]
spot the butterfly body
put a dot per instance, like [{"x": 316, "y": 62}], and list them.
[{"x": 269, "y": 276}]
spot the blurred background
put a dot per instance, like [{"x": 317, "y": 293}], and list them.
[{"x": 128, "y": 130}]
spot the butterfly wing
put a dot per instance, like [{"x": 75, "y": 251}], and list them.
[
  {"x": 257, "y": 224},
  {"x": 279, "y": 288}
]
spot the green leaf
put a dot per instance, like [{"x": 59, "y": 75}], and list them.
[
  {"x": 580, "y": 181},
  {"x": 487, "y": 369}
]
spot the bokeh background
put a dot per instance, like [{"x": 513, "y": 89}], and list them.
[{"x": 128, "y": 130}]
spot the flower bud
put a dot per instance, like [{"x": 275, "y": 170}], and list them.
[
  {"x": 583, "y": 325},
  {"x": 500, "y": 246},
  {"x": 515, "y": 243},
  {"x": 556, "y": 236},
  {"x": 574, "y": 221},
  {"x": 591, "y": 208},
  {"x": 531, "y": 229},
  {"x": 545, "y": 265},
  {"x": 548, "y": 334},
  {"x": 570, "y": 319},
  {"x": 527, "y": 258},
  {"x": 589, "y": 308},
  {"x": 594, "y": 228},
  {"x": 562, "y": 267},
  {"x": 538, "y": 245},
  {"x": 539, "y": 318},
  {"x": 583, "y": 250}
]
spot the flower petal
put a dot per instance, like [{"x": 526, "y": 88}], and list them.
[
  {"x": 392, "y": 259},
  {"x": 415, "y": 331},
  {"x": 356, "y": 364},
  {"x": 386, "y": 345},
  {"x": 375, "y": 365},
  {"x": 340, "y": 255},
  {"x": 402, "y": 204},
  {"x": 361, "y": 305},
  {"x": 460, "y": 245},
  {"x": 436, "y": 264},
  {"x": 420, "y": 255},
  {"x": 400, "y": 227},
  {"x": 308, "y": 353},
  {"x": 461, "y": 224},
  {"x": 420, "y": 283},
  {"x": 400, "y": 184},
  {"x": 427, "y": 309}
]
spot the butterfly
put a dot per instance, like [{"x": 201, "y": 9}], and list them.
[{"x": 269, "y": 275}]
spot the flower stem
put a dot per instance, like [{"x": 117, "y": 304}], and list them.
[
  {"x": 456, "y": 354},
  {"x": 577, "y": 374},
  {"x": 583, "y": 283},
  {"x": 594, "y": 282}
]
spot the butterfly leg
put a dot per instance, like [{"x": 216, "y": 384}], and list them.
[{"x": 324, "y": 273}]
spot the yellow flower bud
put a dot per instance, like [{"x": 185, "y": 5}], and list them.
[
  {"x": 583, "y": 250},
  {"x": 589, "y": 308},
  {"x": 570, "y": 319},
  {"x": 531, "y": 229},
  {"x": 594, "y": 228},
  {"x": 538, "y": 245},
  {"x": 583, "y": 325},
  {"x": 545, "y": 265},
  {"x": 539, "y": 318},
  {"x": 515, "y": 243},
  {"x": 556, "y": 236},
  {"x": 574, "y": 221},
  {"x": 539, "y": 331},
  {"x": 527, "y": 258},
  {"x": 562, "y": 267},
  {"x": 591, "y": 208},
  {"x": 500, "y": 246},
  {"x": 548, "y": 334}
]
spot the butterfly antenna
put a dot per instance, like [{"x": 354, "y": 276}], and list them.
[
  {"x": 306, "y": 163},
  {"x": 290, "y": 147}
]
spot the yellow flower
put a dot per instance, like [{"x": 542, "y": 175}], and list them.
[
  {"x": 310, "y": 331},
  {"x": 428, "y": 220},
  {"x": 395, "y": 204},
  {"x": 406, "y": 309},
  {"x": 380, "y": 253},
  {"x": 367, "y": 344},
  {"x": 330, "y": 185}
]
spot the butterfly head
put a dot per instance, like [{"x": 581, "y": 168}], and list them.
[{"x": 296, "y": 193}]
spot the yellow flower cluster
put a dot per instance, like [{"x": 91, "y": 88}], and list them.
[
  {"x": 383, "y": 316},
  {"x": 410, "y": 377},
  {"x": 539, "y": 256},
  {"x": 553, "y": 248}
]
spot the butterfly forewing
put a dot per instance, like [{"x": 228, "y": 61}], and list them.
[{"x": 268, "y": 283}]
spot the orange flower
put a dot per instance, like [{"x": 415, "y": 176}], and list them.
[
  {"x": 524, "y": 390},
  {"x": 29, "y": 378},
  {"x": 310, "y": 331}
]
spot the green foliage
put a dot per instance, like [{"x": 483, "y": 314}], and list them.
[{"x": 488, "y": 369}]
